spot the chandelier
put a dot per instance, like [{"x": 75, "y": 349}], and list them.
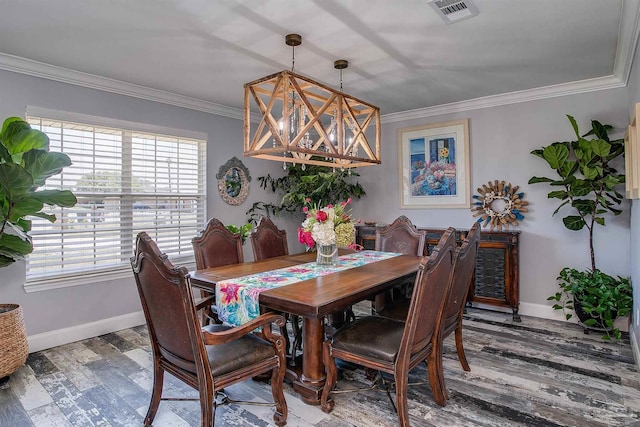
[{"x": 306, "y": 122}]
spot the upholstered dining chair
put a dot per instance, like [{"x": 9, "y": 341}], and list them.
[
  {"x": 403, "y": 237},
  {"x": 207, "y": 359},
  {"x": 396, "y": 347},
  {"x": 454, "y": 309},
  {"x": 268, "y": 241},
  {"x": 215, "y": 246}
]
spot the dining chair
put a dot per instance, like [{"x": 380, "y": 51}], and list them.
[
  {"x": 215, "y": 246},
  {"x": 396, "y": 347},
  {"x": 461, "y": 283},
  {"x": 206, "y": 358},
  {"x": 268, "y": 241},
  {"x": 401, "y": 236}
]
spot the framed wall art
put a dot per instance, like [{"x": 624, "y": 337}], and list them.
[{"x": 434, "y": 165}]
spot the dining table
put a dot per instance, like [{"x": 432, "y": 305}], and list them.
[{"x": 314, "y": 298}]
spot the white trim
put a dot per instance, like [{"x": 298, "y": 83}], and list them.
[
  {"x": 69, "y": 116},
  {"x": 91, "y": 278},
  {"x": 627, "y": 39},
  {"x": 544, "y": 312},
  {"x": 582, "y": 86},
  {"x": 65, "y": 75},
  {"x": 635, "y": 345},
  {"x": 629, "y": 32},
  {"x": 71, "y": 334}
]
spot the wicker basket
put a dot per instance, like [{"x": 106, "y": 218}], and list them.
[{"x": 14, "y": 348}]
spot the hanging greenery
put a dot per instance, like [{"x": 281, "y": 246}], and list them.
[{"x": 322, "y": 185}]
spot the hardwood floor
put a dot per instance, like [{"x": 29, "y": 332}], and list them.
[{"x": 534, "y": 373}]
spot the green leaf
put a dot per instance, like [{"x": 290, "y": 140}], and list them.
[
  {"x": 559, "y": 194},
  {"x": 555, "y": 155},
  {"x": 559, "y": 207},
  {"x": 13, "y": 246},
  {"x": 584, "y": 206},
  {"x": 24, "y": 207},
  {"x": 5, "y": 261},
  {"x": 15, "y": 181},
  {"x": 600, "y": 147},
  {"x": 574, "y": 125},
  {"x": 589, "y": 173},
  {"x": 43, "y": 164},
  {"x": 62, "y": 198},
  {"x": 537, "y": 179},
  {"x": 26, "y": 140},
  {"x": 573, "y": 222}
]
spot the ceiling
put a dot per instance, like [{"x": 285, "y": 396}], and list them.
[{"x": 402, "y": 55}]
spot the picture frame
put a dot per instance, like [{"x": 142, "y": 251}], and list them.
[{"x": 434, "y": 165}]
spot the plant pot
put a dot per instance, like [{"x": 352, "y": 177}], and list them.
[
  {"x": 14, "y": 348},
  {"x": 584, "y": 317}
]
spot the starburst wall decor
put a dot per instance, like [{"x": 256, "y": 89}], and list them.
[{"x": 498, "y": 205}]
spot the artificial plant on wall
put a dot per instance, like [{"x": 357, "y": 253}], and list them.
[{"x": 587, "y": 187}]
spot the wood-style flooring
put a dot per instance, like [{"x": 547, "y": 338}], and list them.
[{"x": 534, "y": 373}]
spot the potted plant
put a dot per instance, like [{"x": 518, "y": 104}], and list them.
[
  {"x": 306, "y": 185},
  {"x": 588, "y": 185},
  {"x": 25, "y": 164}
]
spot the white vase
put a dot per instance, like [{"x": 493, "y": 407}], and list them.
[{"x": 327, "y": 254}]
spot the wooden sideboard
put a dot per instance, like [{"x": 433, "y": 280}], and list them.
[{"x": 496, "y": 277}]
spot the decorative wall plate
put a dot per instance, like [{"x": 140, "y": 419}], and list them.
[
  {"x": 233, "y": 181},
  {"x": 498, "y": 205}
]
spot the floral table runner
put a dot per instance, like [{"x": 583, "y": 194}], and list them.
[{"x": 237, "y": 299}]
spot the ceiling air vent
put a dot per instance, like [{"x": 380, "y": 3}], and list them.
[{"x": 454, "y": 10}]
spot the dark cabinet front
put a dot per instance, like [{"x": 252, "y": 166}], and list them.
[{"x": 496, "y": 277}]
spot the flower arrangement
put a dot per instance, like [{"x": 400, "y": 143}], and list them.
[{"x": 328, "y": 225}]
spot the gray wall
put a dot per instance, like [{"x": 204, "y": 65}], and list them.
[
  {"x": 634, "y": 97},
  {"x": 71, "y": 306},
  {"x": 501, "y": 139}
]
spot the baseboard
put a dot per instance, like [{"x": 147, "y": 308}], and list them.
[
  {"x": 58, "y": 337},
  {"x": 528, "y": 309},
  {"x": 542, "y": 311}
]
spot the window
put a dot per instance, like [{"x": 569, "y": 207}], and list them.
[{"x": 128, "y": 178}]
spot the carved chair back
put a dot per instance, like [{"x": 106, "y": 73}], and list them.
[
  {"x": 401, "y": 236},
  {"x": 423, "y": 329},
  {"x": 216, "y": 246},
  {"x": 268, "y": 241}
]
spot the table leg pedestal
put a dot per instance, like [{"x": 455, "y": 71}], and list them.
[{"x": 310, "y": 383}]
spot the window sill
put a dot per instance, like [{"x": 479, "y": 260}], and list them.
[{"x": 89, "y": 278}]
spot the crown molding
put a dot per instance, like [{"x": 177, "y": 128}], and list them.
[
  {"x": 64, "y": 75},
  {"x": 582, "y": 86},
  {"x": 627, "y": 39},
  {"x": 629, "y": 33}
]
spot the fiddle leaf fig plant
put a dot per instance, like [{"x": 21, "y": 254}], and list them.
[
  {"x": 25, "y": 165},
  {"x": 587, "y": 185}
]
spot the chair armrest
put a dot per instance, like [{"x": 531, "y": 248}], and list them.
[{"x": 264, "y": 321}]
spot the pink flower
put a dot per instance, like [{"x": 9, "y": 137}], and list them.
[
  {"x": 329, "y": 206},
  {"x": 343, "y": 204},
  {"x": 301, "y": 235},
  {"x": 321, "y": 216},
  {"x": 348, "y": 200},
  {"x": 305, "y": 209},
  {"x": 308, "y": 239},
  {"x": 307, "y": 200}
]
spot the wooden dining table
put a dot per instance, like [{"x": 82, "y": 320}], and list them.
[{"x": 312, "y": 300}]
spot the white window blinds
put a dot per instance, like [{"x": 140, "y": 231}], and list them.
[{"x": 126, "y": 181}]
